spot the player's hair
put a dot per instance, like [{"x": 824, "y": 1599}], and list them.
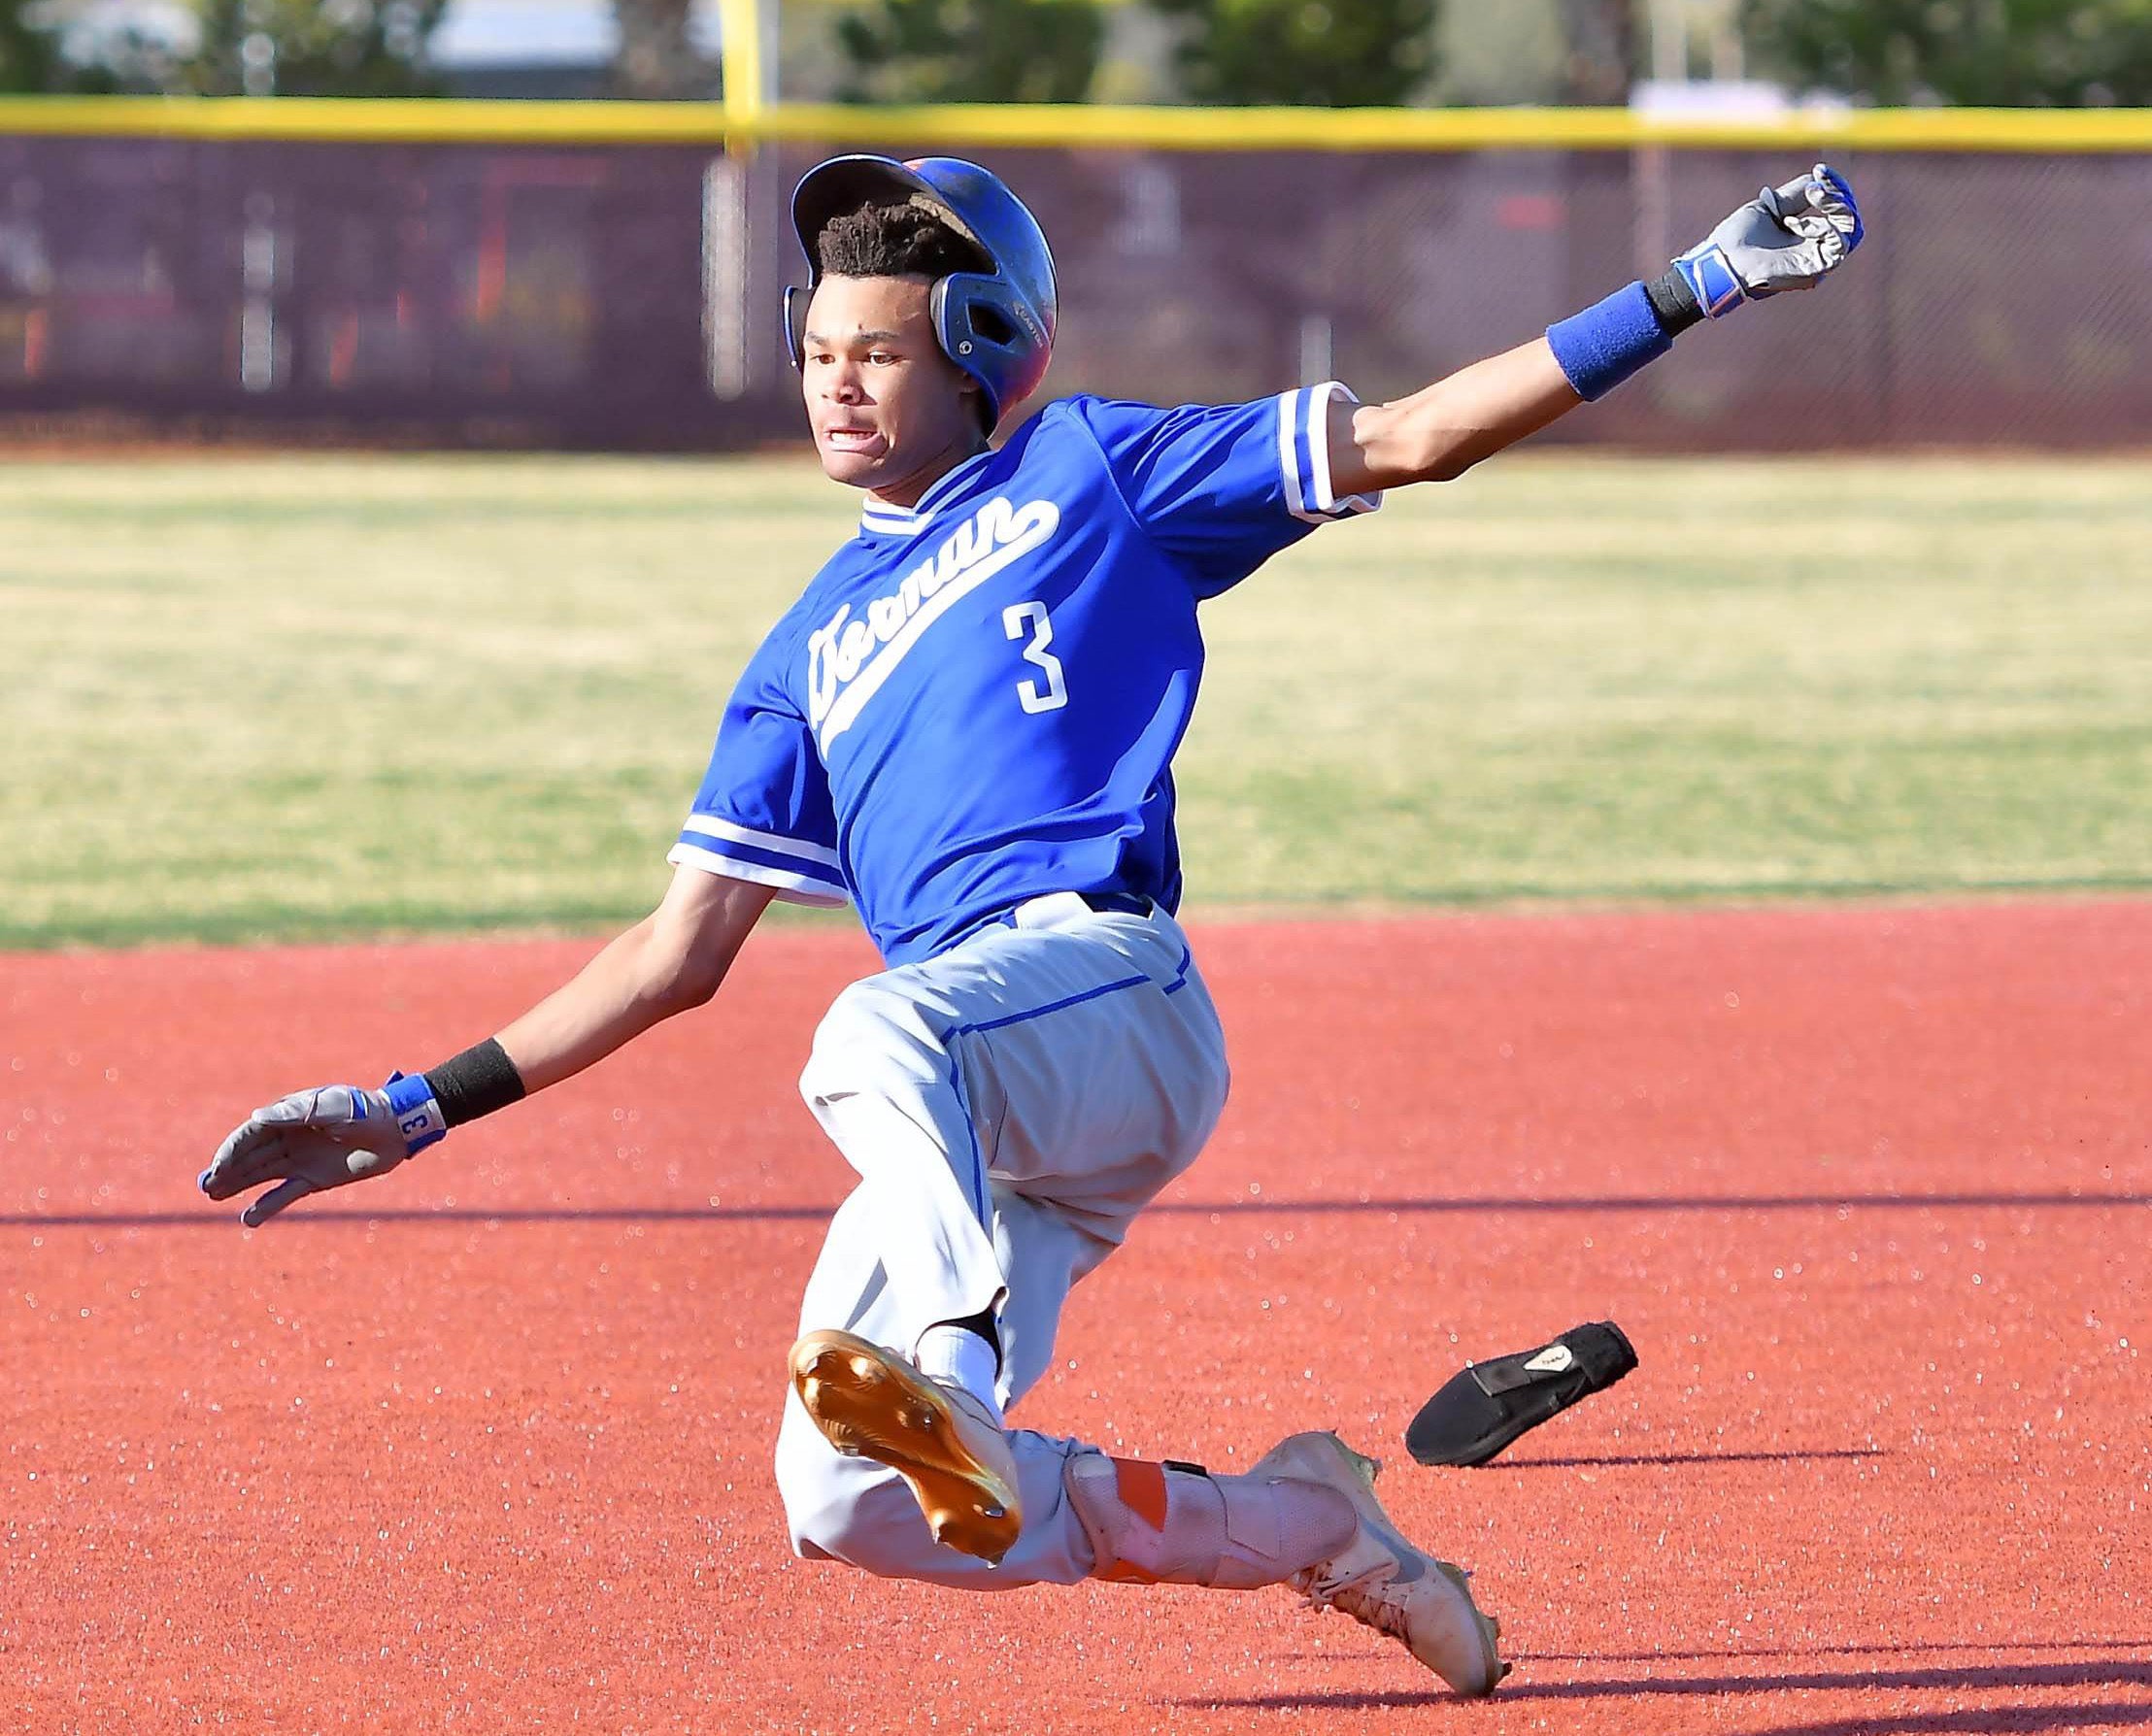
[{"x": 894, "y": 240}]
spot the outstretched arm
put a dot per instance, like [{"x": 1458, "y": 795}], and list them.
[
  {"x": 673, "y": 960},
  {"x": 1444, "y": 429},
  {"x": 331, "y": 1135},
  {"x": 1786, "y": 238}
]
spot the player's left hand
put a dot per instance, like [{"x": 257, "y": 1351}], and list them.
[
  {"x": 327, "y": 1136},
  {"x": 1787, "y": 236}
]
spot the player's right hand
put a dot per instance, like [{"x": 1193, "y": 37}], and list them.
[
  {"x": 1787, "y": 236},
  {"x": 312, "y": 1140}
]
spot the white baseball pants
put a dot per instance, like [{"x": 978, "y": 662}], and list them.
[{"x": 1010, "y": 1106}]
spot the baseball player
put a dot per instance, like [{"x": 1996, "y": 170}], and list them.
[{"x": 966, "y": 728}]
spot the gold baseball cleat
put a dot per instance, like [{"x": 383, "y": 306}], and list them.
[{"x": 871, "y": 1403}]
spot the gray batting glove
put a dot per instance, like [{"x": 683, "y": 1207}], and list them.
[
  {"x": 1786, "y": 238},
  {"x": 318, "y": 1139}
]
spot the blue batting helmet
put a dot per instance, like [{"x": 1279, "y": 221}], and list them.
[{"x": 997, "y": 326}]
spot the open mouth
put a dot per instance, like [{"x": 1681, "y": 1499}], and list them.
[{"x": 853, "y": 440}]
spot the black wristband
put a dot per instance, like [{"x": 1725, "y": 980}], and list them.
[
  {"x": 1673, "y": 303},
  {"x": 476, "y": 1082}
]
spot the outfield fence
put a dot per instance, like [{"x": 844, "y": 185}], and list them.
[{"x": 596, "y": 275}]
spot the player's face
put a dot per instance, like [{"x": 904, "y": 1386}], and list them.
[{"x": 890, "y": 410}]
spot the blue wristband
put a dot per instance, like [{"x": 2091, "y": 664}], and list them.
[
  {"x": 419, "y": 1117},
  {"x": 1609, "y": 340}
]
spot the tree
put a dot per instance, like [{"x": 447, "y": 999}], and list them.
[
  {"x": 2004, "y": 53},
  {"x": 657, "y": 57},
  {"x": 1600, "y": 40},
  {"x": 1335, "y": 53},
  {"x": 971, "y": 50},
  {"x": 312, "y": 48},
  {"x": 29, "y": 57}
]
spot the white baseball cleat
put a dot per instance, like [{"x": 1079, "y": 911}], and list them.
[
  {"x": 1382, "y": 1580},
  {"x": 871, "y": 1403}
]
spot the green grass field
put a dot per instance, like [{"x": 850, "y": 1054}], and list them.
[{"x": 250, "y": 698}]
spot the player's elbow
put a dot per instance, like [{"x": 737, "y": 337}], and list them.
[
  {"x": 1423, "y": 449},
  {"x": 685, "y": 994},
  {"x": 1454, "y": 451},
  {"x": 1445, "y": 448},
  {"x": 1446, "y": 464},
  {"x": 1456, "y": 428},
  {"x": 689, "y": 983},
  {"x": 677, "y": 975}
]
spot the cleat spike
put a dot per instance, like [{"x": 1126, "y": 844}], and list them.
[{"x": 1368, "y": 1468}]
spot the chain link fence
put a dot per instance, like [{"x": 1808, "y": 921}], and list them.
[{"x": 624, "y": 296}]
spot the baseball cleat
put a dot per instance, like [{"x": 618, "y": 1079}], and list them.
[
  {"x": 1382, "y": 1580},
  {"x": 871, "y": 1403}
]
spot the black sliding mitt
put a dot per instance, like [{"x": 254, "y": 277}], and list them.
[{"x": 1482, "y": 1409}]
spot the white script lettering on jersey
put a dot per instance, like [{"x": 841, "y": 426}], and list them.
[{"x": 848, "y": 659}]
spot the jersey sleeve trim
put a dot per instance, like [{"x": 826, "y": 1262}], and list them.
[
  {"x": 711, "y": 827},
  {"x": 1304, "y": 455},
  {"x": 789, "y": 886}
]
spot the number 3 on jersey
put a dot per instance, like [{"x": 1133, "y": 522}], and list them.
[{"x": 1018, "y": 619}]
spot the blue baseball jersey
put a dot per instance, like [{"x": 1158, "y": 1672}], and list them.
[{"x": 978, "y": 698}]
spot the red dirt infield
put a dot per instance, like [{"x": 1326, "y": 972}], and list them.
[{"x": 484, "y": 1446}]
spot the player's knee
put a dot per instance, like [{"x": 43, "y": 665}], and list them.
[
  {"x": 852, "y": 1511},
  {"x": 812, "y": 1508},
  {"x": 871, "y": 1037}
]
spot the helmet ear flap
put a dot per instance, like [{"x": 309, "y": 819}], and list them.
[
  {"x": 984, "y": 328},
  {"x": 794, "y": 313}
]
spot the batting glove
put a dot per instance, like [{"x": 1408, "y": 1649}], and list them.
[
  {"x": 1786, "y": 238},
  {"x": 322, "y": 1138}
]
